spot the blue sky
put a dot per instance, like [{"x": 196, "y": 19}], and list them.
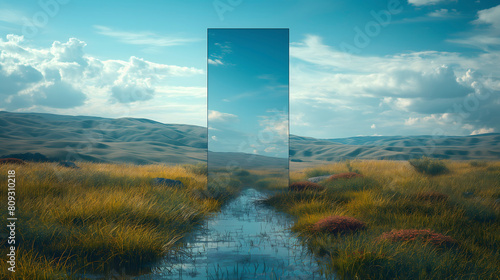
[
  {"x": 391, "y": 67},
  {"x": 248, "y": 91}
]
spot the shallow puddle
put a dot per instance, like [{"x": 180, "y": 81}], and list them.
[{"x": 246, "y": 240}]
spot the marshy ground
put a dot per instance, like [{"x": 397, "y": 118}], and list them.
[
  {"x": 425, "y": 220},
  {"x": 246, "y": 240},
  {"x": 394, "y": 220},
  {"x": 100, "y": 217}
]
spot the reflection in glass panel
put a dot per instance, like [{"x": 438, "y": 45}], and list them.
[{"x": 248, "y": 139}]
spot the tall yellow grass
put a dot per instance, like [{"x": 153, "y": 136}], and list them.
[
  {"x": 101, "y": 216},
  {"x": 389, "y": 196}
]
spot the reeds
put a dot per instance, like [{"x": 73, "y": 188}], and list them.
[
  {"x": 101, "y": 216},
  {"x": 441, "y": 234}
]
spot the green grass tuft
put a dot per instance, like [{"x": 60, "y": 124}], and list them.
[{"x": 429, "y": 166}]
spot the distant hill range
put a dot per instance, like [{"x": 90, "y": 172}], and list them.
[
  {"x": 483, "y": 147},
  {"x": 48, "y": 137},
  {"x": 74, "y": 138}
]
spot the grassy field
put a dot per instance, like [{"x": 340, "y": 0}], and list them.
[
  {"x": 101, "y": 216},
  {"x": 459, "y": 202}
]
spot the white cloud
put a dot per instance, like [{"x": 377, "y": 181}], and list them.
[
  {"x": 63, "y": 79},
  {"x": 482, "y": 131},
  {"x": 215, "y": 61},
  {"x": 443, "y": 13},
  {"x": 15, "y": 78},
  {"x": 489, "y": 16},
  {"x": 341, "y": 94},
  {"x": 142, "y": 38},
  {"x": 69, "y": 52},
  {"x": 218, "y": 53},
  {"x": 430, "y": 120},
  {"x": 436, "y": 15},
  {"x": 217, "y": 116},
  {"x": 335, "y": 78},
  {"x": 411, "y": 121},
  {"x": 424, "y": 2},
  {"x": 486, "y": 35}
]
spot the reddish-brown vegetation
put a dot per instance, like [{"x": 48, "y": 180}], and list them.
[
  {"x": 305, "y": 185},
  {"x": 346, "y": 175},
  {"x": 425, "y": 235},
  {"x": 338, "y": 224},
  {"x": 11, "y": 160},
  {"x": 431, "y": 196}
]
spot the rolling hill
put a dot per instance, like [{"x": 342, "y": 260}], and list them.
[
  {"x": 484, "y": 147},
  {"x": 139, "y": 141},
  {"x": 143, "y": 141}
]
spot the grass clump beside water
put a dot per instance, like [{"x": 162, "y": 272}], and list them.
[
  {"x": 414, "y": 226},
  {"x": 101, "y": 216},
  {"x": 429, "y": 166}
]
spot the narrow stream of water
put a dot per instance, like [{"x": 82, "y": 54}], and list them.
[{"x": 246, "y": 240}]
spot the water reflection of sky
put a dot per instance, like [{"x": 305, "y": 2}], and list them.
[
  {"x": 248, "y": 91},
  {"x": 245, "y": 240}
]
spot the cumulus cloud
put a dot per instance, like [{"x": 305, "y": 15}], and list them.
[
  {"x": 62, "y": 78},
  {"x": 482, "y": 131},
  {"x": 489, "y": 16},
  {"x": 339, "y": 93},
  {"x": 127, "y": 93},
  {"x": 70, "y": 52},
  {"x": 59, "y": 95},
  {"x": 52, "y": 95},
  {"x": 15, "y": 78},
  {"x": 436, "y": 83}
]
